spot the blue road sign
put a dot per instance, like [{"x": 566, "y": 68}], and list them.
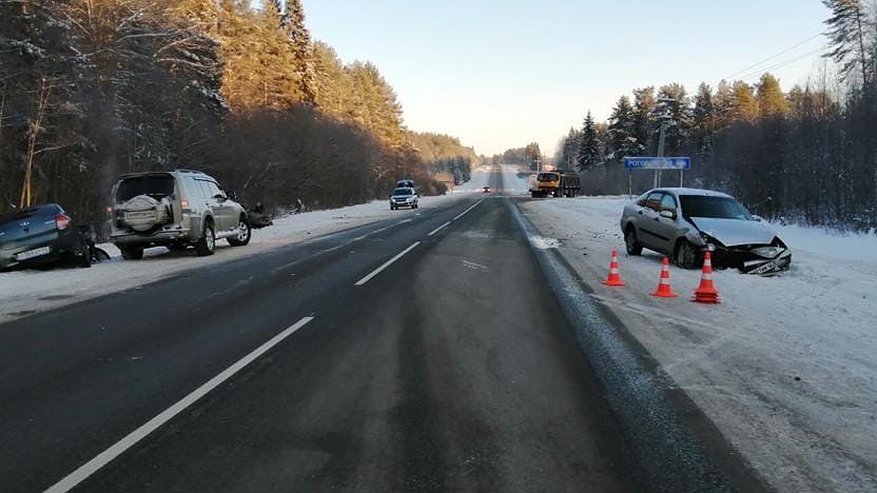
[{"x": 657, "y": 163}]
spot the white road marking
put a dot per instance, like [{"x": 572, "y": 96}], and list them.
[
  {"x": 467, "y": 210},
  {"x": 117, "y": 449},
  {"x": 436, "y": 230},
  {"x": 386, "y": 264},
  {"x": 475, "y": 266}
]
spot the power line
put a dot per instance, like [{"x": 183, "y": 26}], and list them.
[
  {"x": 796, "y": 45},
  {"x": 759, "y": 72}
]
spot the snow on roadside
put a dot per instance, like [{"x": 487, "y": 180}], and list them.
[
  {"x": 785, "y": 366},
  {"x": 29, "y": 291}
]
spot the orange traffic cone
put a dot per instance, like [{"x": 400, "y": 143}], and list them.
[
  {"x": 706, "y": 292},
  {"x": 664, "y": 290},
  {"x": 614, "y": 278}
]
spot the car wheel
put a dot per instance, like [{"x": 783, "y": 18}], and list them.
[
  {"x": 631, "y": 242},
  {"x": 687, "y": 256},
  {"x": 244, "y": 234},
  {"x": 132, "y": 252},
  {"x": 85, "y": 259},
  {"x": 207, "y": 244},
  {"x": 99, "y": 255}
]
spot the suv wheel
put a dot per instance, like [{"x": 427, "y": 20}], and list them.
[
  {"x": 207, "y": 244},
  {"x": 244, "y": 233},
  {"x": 631, "y": 243},
  {"x": 132, "y": 252}
]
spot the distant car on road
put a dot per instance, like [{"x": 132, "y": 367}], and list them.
[
  {"x": 486, "y": 190},
  {"x": 40, "y": 235},
  {"x": 683, "y": 222},
  {"x": 403, "y": 197},
  {"x": 174, "y": 209}
]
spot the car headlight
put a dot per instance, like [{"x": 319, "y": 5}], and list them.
[
  {"x": 768, "y": 251},
  {"x": 709, "y": 242}
]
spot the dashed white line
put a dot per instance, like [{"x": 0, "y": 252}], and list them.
[
  {"x": 467, "y": 210},
  {"x": 117, "y": 449},
  {"x": 436, "y": 230},
  {"x": 386, "y": 264}
]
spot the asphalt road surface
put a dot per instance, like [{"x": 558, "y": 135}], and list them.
[{"x": 418, "y": 354}]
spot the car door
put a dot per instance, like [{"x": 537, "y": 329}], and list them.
[
  {"x": 647, "y": 225},
  {"x": 665, "y": 227},
  {"x": 209, "y": 203},
  {"x": 223, "y": 209}
]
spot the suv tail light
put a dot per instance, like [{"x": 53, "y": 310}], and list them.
[
  {"x": 62, "y": 221},
  {"x": 184, "y": 204}
]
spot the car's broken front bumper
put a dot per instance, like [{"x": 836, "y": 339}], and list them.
[{"x": 749, "y": 261}]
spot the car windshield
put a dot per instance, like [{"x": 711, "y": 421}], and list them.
[
  {"x": 156, "y": 186},
  {"x": 548, "y": 177},
  {"x": 403, "y": 191},
  {"x": 713, "y": 207}
]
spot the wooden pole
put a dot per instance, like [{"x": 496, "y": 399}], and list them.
[{"x": 26, "y": 199}]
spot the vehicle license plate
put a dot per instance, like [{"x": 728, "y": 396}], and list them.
[
  {"x": 36, "y": 252},
  {"x": 140, "y": 215}
]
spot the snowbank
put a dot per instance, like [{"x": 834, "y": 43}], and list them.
[
  {"x": 785, "y": 366},
  {"x": 30, "y": 291}
]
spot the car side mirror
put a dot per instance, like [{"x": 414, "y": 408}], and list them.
[
  {"x": 757, "y": 218},
  {"x": 219, "y": 197},
  {"x": 668, "y": 214}
]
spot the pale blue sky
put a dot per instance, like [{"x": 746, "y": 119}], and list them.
[{"x": 501, "y": 73}]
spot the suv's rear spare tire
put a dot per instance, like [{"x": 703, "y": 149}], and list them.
[{"x": 143, "y": 213}]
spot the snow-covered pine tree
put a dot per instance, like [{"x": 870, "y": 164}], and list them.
[
  {"x": 589, "y": 149},
  {"x": 643, "y": 127},
  {"x": 704, "y": 122},
  {"x": 622, "y": 141},
  {"x": 302, "y": 48},
  {"x": 850, "y": 25}
]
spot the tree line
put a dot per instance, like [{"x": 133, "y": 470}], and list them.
[
  {"x": 90, "y": 89},
  {"x": 807, "y": 154}
]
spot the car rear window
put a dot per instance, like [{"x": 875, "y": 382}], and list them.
[
  {"x": 156, "y": 186},
  {"x": 713, "y": 207},
  {"x": 17, "y": 214}
]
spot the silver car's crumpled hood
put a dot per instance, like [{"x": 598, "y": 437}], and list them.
[{"x": 732, "y": 232}]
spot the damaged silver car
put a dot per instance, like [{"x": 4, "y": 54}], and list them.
[{"x": 684, "y": 222}]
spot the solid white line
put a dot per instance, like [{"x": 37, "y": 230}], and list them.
[
  {"x": 386, "y": 264},
  {"x": 436, "y": 230},
  {"x": 105, "y": 457},
  {"x": 467, "y": 210}
]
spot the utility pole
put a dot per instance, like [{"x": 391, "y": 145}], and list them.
[
  {"x": 661, "y": 140},
  {"x": 665, "y": 117}
]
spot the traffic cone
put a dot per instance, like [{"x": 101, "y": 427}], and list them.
[
  {"x": 664, "y": 290},
  {"x": 614, "y": 278},
  {"x": 706, "y": 292}
]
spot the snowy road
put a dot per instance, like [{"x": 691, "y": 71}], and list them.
[{"x": 403, "y": 358}]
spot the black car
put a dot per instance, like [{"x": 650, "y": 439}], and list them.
[{"x": 40, "y": 235}]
